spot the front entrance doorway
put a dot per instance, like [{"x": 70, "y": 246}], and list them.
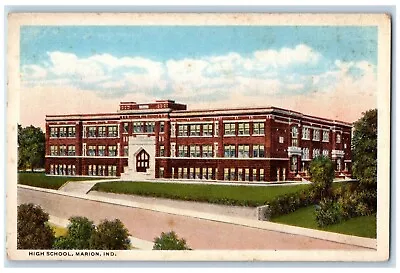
[{"x": 142, "y": 161}]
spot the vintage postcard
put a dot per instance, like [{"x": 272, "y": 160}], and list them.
[{"x": 198, "y": 137}]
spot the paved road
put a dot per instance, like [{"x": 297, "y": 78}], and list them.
[{"x": 199, "y": 233}]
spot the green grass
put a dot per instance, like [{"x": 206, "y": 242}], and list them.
[
  {"x": 49, "y": 182},
  {"x": 220, "y": 194},
  {"x": 363, "y": 226}
]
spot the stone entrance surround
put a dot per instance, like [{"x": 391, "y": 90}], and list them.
[{"x": 135, "y": 146}]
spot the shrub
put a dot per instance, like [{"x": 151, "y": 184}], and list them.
[
  {"x": 80, "y": 230},
  {"x": 170, "y": 241},
  {"x": 328, "y": 212},
  {"x": 32, "y": 230},
  {"x": 322, "y": 173},
  {"x": 110, "y": 235}
]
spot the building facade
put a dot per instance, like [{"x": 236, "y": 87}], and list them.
[{"x": 165, "y": 140}]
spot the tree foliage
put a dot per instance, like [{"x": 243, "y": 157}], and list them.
[
  {"x": 364, "y": 149},
  {"x": 169, "y": 241},
  {"x": 31, "y": 147},
  {"x": 110, "y": 235},
  {"x": 32, "y": 229},
  {"x": 322, "y": 174},
  {"x": 78, "y": 236}
]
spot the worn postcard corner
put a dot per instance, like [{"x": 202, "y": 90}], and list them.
[{"x": 217, "y": 137}]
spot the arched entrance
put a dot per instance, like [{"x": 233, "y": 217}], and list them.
[{"x": 142, "y": 161}]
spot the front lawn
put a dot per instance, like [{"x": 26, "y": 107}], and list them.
[
  {"x": 219, "y": 194},
  {"x": 363, "y": 226},
  {"x": 49, "y": 182}
]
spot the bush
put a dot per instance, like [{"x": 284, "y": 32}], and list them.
[
  {"x": 328, "y": 212},
  {"x": 322, "y": 174},
  {"x": 110, "y": 235},
  {"x": 169, "y": 241},
  {"x": 290, "y": 202},
  {"x": 350, "y": 204},
  {"x": 32, "y": 230},
  {"x": 79, "y": 233}
]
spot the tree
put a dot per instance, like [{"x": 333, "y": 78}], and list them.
[
  {"x": 322, "y": 174},
  {"x": 31, "y": 147},
  {"x": 169, "y": 241},
  {"x": 78, "y": 236},
  {"x": 364, "y": 149},
  {"x": 32, "y": 229},
  {"x": 110, "y": 235}
]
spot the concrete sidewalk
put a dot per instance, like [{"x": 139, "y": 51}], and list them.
[{"x": 82, "y": 187}]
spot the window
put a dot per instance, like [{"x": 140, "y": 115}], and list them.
[
  {"x": 191, "y": 173},
  {"x": 112, "y": 131},
  {"x": 53, "y": 150},
  {"x": 240, "y": 174},
  {"x": 51, "y": 169},
  {"x": 243, "y": 151},
  {"x": 71, "y": 131},
  {"x": 102, "y": 131},
  {"x": 316, "y": 134},
  {"x": 112, "y": 170},
  {"x": 226, "y": 174},
  {"x": 63, "y": 132},
  {"x": 207, "y": 129},
  {"x": 209, "y": 173},
  {"x": 126, "y": 127},
  {"x": 92, "y": 131},
  {"x": 255, "y": 175},
  {"x": 53, "y": 132},
  {"x": 162, "y": 150},
  {"x": 325, "y": 135},
  {"x": 258, "y": 151},
  {"x": 185, "y": 173},
  {"x": 182, "y": 130},
  {"x": 306, "y": 154},
  {"x": 71, "y": 150},
  {"x": 63, "y": 149},
  {"x": 229, "y": 151},
  {"x": 102, "y": 150},
  {"x": 194, "y": 151},
  {"x": 162, "y": 127},
  {"x": 229, "y": 129},
  {"x": 112, "y": 150},
  {"x": 150, "y": 126},
  {"x": 92, "y": 151},
  {"x": 281, "y": 139},
  {"x": 233, "y": 174},
  {"x": 306, "y": 133},
  {"x": 182, "y": 151},
  {"x": 316, "y": 153},
  {"x": 207, "y": 151},
  {"x": 126, "y": 150},
  {"x": 246, "y": 174},
  {"x": 197, "y": 173},
  {"x": 161, "y": 173},
  {"x": 138, "y": 127},
  {"x": 244, "y": 128},
  {"x": 293, "y": 164},
  {"x": 295, "y": 131},
  {"x": 261, "y": 174},
  {"x": 325, "y": 153},
  {"x": 345, "y": 146},
  {"x": 216, "y": 127},
  {"x": 179, "y": 172},
  {"x": 258, "y": 128},
  {"x": 195, "y": 130},
  {"x": 338, "y": 138}
]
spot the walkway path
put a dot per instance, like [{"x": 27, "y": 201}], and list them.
[{"x": 82, "y": 187}]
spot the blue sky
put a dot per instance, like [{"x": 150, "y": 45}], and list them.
[{"x": 203, "y": 65}]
